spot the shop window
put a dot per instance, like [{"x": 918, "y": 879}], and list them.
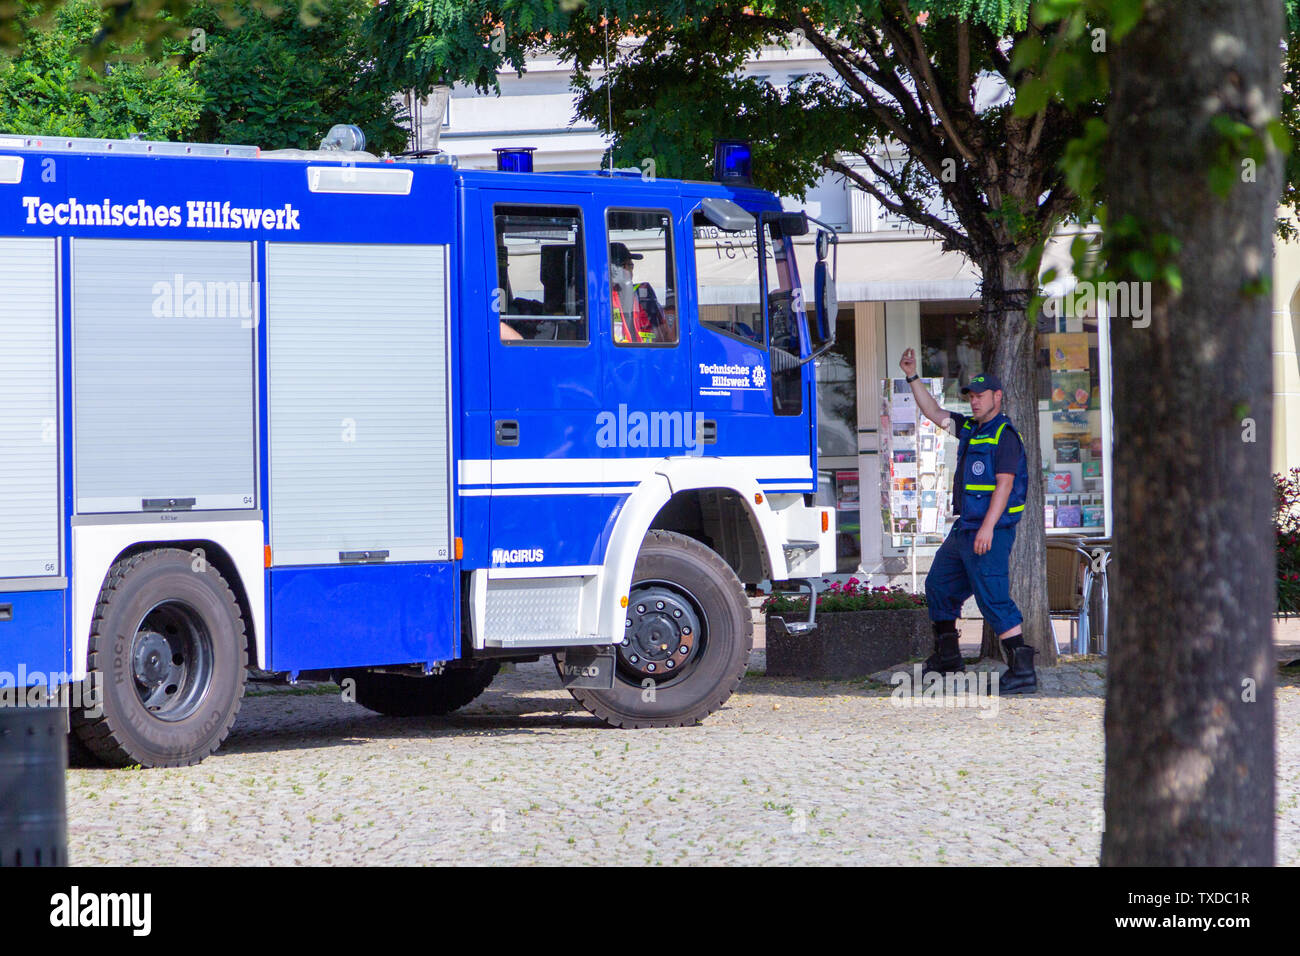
[
  {"x": 951, "y": 343},
  {"x": 837, "y": 394},
  {"x": 1070, "y": 427},
  {"x": 1069, "y": 408},
  {"x": 643, "y": 304},
  {"x": 541, "y": 291},
  {"x": 837, "y": 441}
]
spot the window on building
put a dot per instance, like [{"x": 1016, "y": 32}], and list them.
[
  {"x": 1069, "y": 407},
  {"x": 1070, "y": 426},
  {"x": 951, "y": 342},
  {"x": 837, "y": 394},
  {"x": 643, "y": 300},
  {"x": 541, "y": 276},
  {"x": 837, "y": 441}
]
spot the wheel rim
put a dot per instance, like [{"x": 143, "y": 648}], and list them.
[
  {"x": 171, "y": 661},
  {"x": 664, "y": 634}
]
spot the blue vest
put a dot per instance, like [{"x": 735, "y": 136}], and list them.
[{"x": 975, "y": 479}]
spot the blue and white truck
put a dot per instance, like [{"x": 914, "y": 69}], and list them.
[{"x": 319, "y": 413}]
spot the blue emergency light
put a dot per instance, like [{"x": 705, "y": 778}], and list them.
[
  {"x": 514, "y": 159},
  {"x": 731, "y": 160}
]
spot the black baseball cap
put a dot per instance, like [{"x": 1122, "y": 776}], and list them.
[
  {"x": 983, "y": 383},
  {"x": 620, "y": 255}
]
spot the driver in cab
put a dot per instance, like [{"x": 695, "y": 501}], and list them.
[{"x": 635, "y": 311}]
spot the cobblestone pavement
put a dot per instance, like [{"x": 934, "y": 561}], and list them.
[{"x": 788, "y": 772}]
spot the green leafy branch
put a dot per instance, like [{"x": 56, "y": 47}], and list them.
[{"x": 1240, "y": 143}]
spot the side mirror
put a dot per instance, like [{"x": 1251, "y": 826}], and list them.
[
  {"x": 824, "y": 240},
  {"x": 827, "y": 303},
  {"x": 727, "y": 215}
]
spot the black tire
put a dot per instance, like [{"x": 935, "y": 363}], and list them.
[
  {"x": 706, "y": 586},
  {"x": 161, "y": 709},
  {"x": 403, "y": 695},
  {"x": 79, "y": 755}
]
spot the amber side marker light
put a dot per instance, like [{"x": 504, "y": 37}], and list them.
[
  {"x": 758, "y": 498},
  {"x": 266, "y": 555},
  {"x": 460, "y": 549},
  {"x": 826, "y": 521}
]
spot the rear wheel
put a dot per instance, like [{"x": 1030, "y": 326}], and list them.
[
  {"x": 408, "y": 695},
  {"x": 167, "y": 662},
  {"x": 687, "y": 637}
]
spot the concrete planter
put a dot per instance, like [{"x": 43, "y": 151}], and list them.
[{"x": 847, "y": 644}]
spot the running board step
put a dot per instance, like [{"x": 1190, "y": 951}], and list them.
[{"x": 570, "y": 640}]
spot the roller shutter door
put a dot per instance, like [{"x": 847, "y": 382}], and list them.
[
  {"x": 29, "y": 409},
  {"x": 163, "y": 403},
  {"x": 357, "y": 366}
]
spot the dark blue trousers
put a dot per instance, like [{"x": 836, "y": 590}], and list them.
[{"x": 958, "y": 572}]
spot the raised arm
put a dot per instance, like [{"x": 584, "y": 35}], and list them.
[{"x": 924, "y": 400}]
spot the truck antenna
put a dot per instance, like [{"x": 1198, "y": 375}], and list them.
[{"x": 609, "y": 96}]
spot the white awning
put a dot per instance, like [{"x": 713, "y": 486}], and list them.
[
  {"x": 869, "y": 271},
  {"x": 893, "y": 270}
]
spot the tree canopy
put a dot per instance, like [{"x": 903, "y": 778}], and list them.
[
  {"x": 231, "y": 72},
  {"x": 283, "y": 78},
  {"x": 47, "y": 87}
]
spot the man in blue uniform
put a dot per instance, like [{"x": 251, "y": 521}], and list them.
[{"x": 990, "y": 485}]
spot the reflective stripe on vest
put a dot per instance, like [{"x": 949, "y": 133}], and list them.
[
  {"x": 639, "y": 318},
  {"x": 992, "y": 440}
]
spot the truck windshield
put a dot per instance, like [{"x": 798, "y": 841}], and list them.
[
  {"x": 726, "y": 267},
  {"x": 730, "y": 290},
  {"x": 782, "y": 281},
  {"x": 784, "y": 304}
]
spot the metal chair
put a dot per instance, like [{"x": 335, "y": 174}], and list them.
[
  {"x": 1099, "y": 553},
  {"x": 1069, "y": 588}
]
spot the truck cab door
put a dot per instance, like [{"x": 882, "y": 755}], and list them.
[
  {"x": 545, "y": 387},
  {"x": 647, "y": 344}
]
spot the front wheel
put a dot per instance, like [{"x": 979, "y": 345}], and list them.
[{"x": 686, "y": 641}]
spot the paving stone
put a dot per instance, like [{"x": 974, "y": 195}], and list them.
[{"x": 788, "y": 772}]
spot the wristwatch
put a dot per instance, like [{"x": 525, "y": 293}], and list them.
[{"x": 912, "y": 378}]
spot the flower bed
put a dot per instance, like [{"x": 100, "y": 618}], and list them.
[
  {"x": 859, "y": 631},
  {"x": 852, "y": 595},
  {"x": 1286, "y": 529}
]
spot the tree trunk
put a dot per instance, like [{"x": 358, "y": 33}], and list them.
[
  {"x": 1014, "y": 360},
  {"x": 1189, "y": 702}
]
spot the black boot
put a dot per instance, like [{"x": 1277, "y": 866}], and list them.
[
  {"x": 1020, "y": 677},
  {"x": 946, "y": 658}
]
